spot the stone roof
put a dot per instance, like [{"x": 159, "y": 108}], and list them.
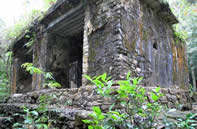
[
  {"x": 162, "y": 9},
  {"x": 65, "y": 18}
]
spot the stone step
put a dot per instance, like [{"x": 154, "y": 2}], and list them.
[{"x": 64, "y": 117}]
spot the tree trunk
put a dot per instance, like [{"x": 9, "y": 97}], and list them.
[{"x": 194, "y": 80}]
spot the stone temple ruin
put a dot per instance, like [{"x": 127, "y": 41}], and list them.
[{"x": 78, "y": 37}]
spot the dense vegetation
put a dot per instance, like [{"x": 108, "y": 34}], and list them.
[
  {"x": 8, "y": 34},
  {"x": 131, "y": 109}
]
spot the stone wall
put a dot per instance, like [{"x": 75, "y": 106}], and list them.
[
  {"x": 86, "y": 97},
  {"x": 134, "y": 36},
  {"x": 102, "y": 37},
  {"x": 148, "y": 48},
  {"x": 68, "y": 107}
]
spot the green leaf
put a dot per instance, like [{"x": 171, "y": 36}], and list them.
[
  {"x": 54, "y": 84},
  {"x": 96, "y": 122},
  {"x": 193, "y": 115},
  {"x": 35, "y": 113},
  {"x": 42, "y": 126},
  {"x": 135, "y": 81},
  {"x": 101, "y": 117},
  {"x": 88, "y": 77},
  {"x": 97, "y": 110},
  {"x": 86, "y": 121},
  {"x": 98, "y": 127},
  {"x": 114, "y": 112},
  {"x": 110, "y": 108},
  {"x": 99, "y": 83},
  {"x": 108, "y": 91},
  {"x": 140, "y": 79},
  {"x": 49, "y": 75},
  {"x": 104, "y": 77},
  {"x": 128, "y": 75},
  {"x": 27, "y": 36},
  {"x": 154, "y": 97},
  {"x": 157, "y": 90},
  {"x": 93, "y": 115},
  {"x": 16, "y": 125},
  {"x": 114, "y": 117},
  {"x": 109, "y": 84},
  {"x": 28, "y": 121},
  {"x": 108, "y": 78},
  {"x": 194, "y": 125},
  {"x": 143, "y": 91},
  {"x": 90, "y": 127}
]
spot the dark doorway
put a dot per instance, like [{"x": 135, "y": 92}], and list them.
[
  {"x": 65, "y": 59},
  {"x": 75, "y": 60},
  {"x": 22, "y": 78}
]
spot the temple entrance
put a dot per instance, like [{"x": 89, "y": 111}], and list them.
[
  {"x": 22, "y": 80},
  {"x": 65, "y": 59}
]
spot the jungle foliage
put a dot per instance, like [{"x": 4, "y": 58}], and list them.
[
  {"x": 7, "y": 35},
  {"x": 130, "y": 107}
]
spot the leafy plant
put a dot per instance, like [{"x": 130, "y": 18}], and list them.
[
  {"x": 49, "y": 80},
  {"x": 189, "y": 122},
  {"x": 31, "y": 40},
  {"x": 97, "y": 116},
  {"x": 5, "y": 65},
  {"x": 129, "y": 103},
  {"x": 48, "y": 3},
  {"x": 38, "y": 118}
]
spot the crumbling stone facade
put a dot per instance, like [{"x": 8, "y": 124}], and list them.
[{"x": 96, "y": 36}]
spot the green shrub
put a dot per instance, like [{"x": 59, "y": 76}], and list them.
[
  {"x": 37, "y": 118},
  {"x": 129, "y": 103},
  {"x": 49, "y": 79},
  {"x": 5, "y": 65},
  {"x": 188, "y": 122}
]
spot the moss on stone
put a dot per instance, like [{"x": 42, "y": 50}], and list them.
[
  {"x": 130, "y": 45},
  {"x": 97, "y": 43},
  {"x": 144, "y": 33},
  {"x": 92, "y": 55}
]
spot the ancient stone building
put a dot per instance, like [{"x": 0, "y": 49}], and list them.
[{"x": 91, "y": 37}]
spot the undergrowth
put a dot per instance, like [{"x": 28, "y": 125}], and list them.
[{"x": 130, "y": 108}]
